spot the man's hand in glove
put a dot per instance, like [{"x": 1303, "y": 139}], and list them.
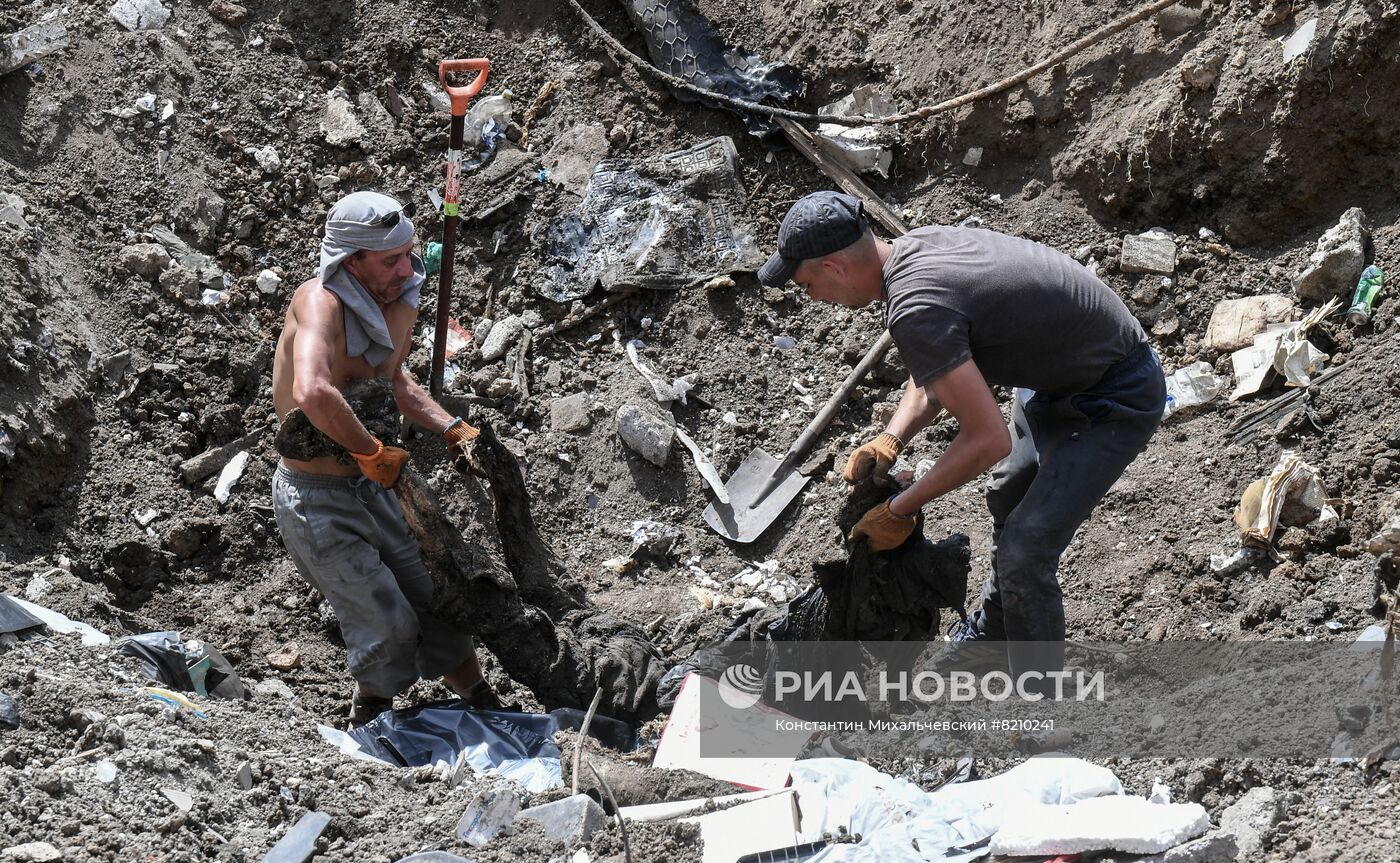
[
  {"x": 882, "y": 529},
  {"x": 875, "y": 457},
  {"x": 383, "y": 464},
  {"x": 461, "y": 438}
]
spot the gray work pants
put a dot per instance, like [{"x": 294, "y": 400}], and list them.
[
  {"x": 1066, "y": 454},
  {"x": 348, "y": 539}
]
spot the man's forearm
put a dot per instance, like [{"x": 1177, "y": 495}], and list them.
[
  {"x": 917, "y": 410},
  {"x": 329, "y": 412},
  {"x": 415, "y": 404},
  {"x": 963, "y": 461}
]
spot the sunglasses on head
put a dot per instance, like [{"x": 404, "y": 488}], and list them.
[{"x": 391, "y": 218}]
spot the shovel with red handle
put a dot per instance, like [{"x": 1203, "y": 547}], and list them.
[{"x": 451, "y": 195}]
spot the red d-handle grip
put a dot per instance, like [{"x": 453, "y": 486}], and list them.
[{"x": 461, "y": 95}]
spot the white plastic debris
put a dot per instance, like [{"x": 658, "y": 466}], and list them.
[
  {"x": 145, "y": 516},
  {"x": 1296, "y": 44},
  {"x": 212, "y": 297},
  {"x": 60, "y": 623},
  {"x": 105, "y": 771},
  {"x": 147, "y": 103},
  {"x": 784, "y": 343},
  {"x": 861, "y": 147},
  {"x": 140, "y": 14},
  {"x": 702, "y": 464},
  {"x": 268, "y": 281},
  {"x": 663, "y": 391},
  {"x": 167, "y": 111},
  {"x": 230, "y": 475},
  {"x": 1193, "y": 385},
  {"x": 182, "y": 800}
]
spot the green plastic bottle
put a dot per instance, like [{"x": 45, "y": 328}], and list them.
[{"x": 1364, "y": 300}]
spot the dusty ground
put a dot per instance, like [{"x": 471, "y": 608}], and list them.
[{"x": 1268, "y": 155}]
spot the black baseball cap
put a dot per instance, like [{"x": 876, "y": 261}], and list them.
[{"x": 817, "y": 225}]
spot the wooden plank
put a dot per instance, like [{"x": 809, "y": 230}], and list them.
[{"x": 875, "y": 206}]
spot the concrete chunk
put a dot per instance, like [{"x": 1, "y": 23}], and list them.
[
  {"x": 1252, "y": 819},
  {"x": 1336, "y": 264},
  {"x": 570, "y": 413},
  {"x": 144, "y": 259},
  {"x": 572, "y": 819},
  {"x": 1148, "y": 253},
  {"x": 1235, "y": 323},
  {"x": 646, "y": 433},
  {"x": 342, "y": 127}
]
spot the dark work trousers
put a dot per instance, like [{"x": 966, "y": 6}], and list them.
[{"x": 1066, "y": 453}]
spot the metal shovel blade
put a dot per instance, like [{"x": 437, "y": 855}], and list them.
[{"x": 745, "y": 516}]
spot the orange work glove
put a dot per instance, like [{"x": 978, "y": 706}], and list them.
[
  {"x": 876, "y": 457},
  {"x": 882, "y": 529},
  {"x": 382, "y": 465},
  {"x": 459, "y": 433}
]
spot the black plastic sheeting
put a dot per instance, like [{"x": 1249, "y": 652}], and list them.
[
  {"x": 681, "y": 41},
  {"x": 166, "y": 660},
  {"x": 440, "y": 730},
  {"x": 15, "y": 617}
]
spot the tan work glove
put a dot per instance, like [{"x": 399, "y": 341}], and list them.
[
  {"x": 875, "y": 457},
  {"x": 459, "y": 434},
  {"x": 382, "y": 465},
  {"x": 882, "y": 529}
]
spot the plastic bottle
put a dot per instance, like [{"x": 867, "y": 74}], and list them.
[
  {"x": 485, "y": 125},
  {"x": 1364, "y": 300}
]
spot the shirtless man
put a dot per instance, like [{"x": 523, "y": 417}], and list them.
[{"x": 342, "y": 524}]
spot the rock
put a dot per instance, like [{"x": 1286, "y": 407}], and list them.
[
  {"x": 1146, "y": 293},
  {"x": 184, "y": 540},
  {"x": 572, "y": 819},
  {"x": 1252, "y": 819},
  {"x": 973, "y": 157},
  {"x": 144, "y": 259},
  {"x": 342, "y": 128},
  {"x": 266, "y": 157},
  {"x": 1200, "y": 73},
  {"x": 244, "y": 775},
  {"x": 1388, "y": 538},
  {"x": 1235, "y": 323},
  {"x": 570, "y": 413},
  {"x": 1148, "y": 253},
  {"x": 501, "y": 388},
  {"x": 574, "y": 155},
  {"x": 1175, "y": 20},
  {"x": 230, "y": 13},
  {"x": 646, "y": 433},
  {"x": 180, "y": 282},
  {"x": 202, "y": 214},
  {"x": 268, "y": 281},
  {"x": 502, "y": 335},
  {"x": 286, "y": 657},
  {"x": 1335, "y": 266},
  {"x": 140, "y": 14},
  {"x": 12, "y": 210},
  {"x": 31, "y": 852},
  {"x": 9, "y": 712}
]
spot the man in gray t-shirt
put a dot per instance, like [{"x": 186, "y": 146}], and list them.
[{"x": 969, "y": 308}]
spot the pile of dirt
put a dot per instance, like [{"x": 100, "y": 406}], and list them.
[{"x": 136, "y": 336}]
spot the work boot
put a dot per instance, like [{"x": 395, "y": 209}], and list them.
[
  {"x": 364, "y": 707},
  {"x": 965, "y": 631}
]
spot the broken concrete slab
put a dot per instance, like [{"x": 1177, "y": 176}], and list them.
[
  {"x": 575, "y": 154},
  {"x": 646, "y": 432},
  {"x": 1132, "y": 824},
  {"x": 1235, "y": 323},
  {"x": 572, "y": 819},
  {"x": 1151, "y": 252},
  {"x": 1335, "y": 265},
  {"x": 210, "y": 461},
  {"x": 340, "y": 125},
  {"x": 23, "y": 47},
  {"x": 1214, "y": 847},
  {"x": 1251, "y": 820},
  {"x": 31, "y": 852},
  {"x": 140, "y": 14},
  {"x": 570, "y": 413}
]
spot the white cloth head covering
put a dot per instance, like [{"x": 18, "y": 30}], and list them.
[{"x": 347, "y": 232}]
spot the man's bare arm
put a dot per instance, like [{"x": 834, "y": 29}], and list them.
[
  {"x": 917, "y": 411},
  {"x": 982, "y": 440},
  {"x": 415, "y": 403},
  {"x": 314, "y": 386}
]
